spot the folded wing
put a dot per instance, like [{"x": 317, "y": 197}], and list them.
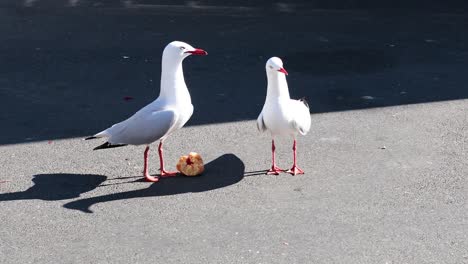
[
  {"x": 301, "y": 118},
  {"x": 142, "y": 128},
  {"x": 260, "y": 123}
]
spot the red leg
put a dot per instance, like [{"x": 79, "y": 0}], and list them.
[
  {"x": 295, "y": 170},
  {"x": 148, "y": 177},
  {"x": 275, "y": 170},
  {"x": 164, "y": 173}
]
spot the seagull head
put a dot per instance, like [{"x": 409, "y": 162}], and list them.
[
  {"x": 275, "y": 64},
  {"x": 181, "y": 50}
]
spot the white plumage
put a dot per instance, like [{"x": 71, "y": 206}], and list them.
[
  {"x": 169, "y": 112},
  {"x": 282, "y": 115}
]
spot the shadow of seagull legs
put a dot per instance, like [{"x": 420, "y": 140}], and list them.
[
  {"x": 221, "y": 172},
  {"x": 255, "y": 173}
]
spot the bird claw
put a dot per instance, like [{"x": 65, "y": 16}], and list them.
[
  {"x": 150, "y": 178},
  {"x": 295, "y": 171},
  {"x": 274, "y": 171},
  {"x": 165, "y": 173}
]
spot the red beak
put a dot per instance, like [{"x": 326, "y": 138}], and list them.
[
  {"x": 197, "y": 52},
  {"x": 283, "y": 71}
]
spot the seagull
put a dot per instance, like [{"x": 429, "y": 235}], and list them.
[
  {"x": 282, "y": 115},
  {"x": 156, "y": 121}
]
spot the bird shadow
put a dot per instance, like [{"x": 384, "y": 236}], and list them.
[
  {"x": 226, "y": 170},
  {"x": 57, "y": 186},
  {"x": 255, "y": 173}
]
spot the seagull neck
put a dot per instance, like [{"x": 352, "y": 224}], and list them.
[
  {"x": 277, "y": 86},
  {"x": 173, "y": 87}
]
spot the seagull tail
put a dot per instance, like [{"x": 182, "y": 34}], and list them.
[
  {"x": 98, "y": 135},
  {"x": 109, "y": 145}
]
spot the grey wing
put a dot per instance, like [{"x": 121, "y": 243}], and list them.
[
  {"x": 144, "y": 128},
  {"x": 261, "y": 123},
  {"x": 118, "y": 128},
  {"x": 301, "y": 120}
]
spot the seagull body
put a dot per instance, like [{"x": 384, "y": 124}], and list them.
[
  {"x": 282, "y": 115},
  {"x": 156, "y": 121}
]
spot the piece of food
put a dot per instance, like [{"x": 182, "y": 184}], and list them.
[{"x": 191, "y": 165}]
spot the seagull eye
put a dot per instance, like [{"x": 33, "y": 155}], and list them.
[
  {"x": 271, "y": 67},
  {"x": 182, "y": 48}
]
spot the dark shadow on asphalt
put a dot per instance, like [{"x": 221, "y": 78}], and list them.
[
  {"x": 336, "y": 62},
  {"x": 265, "y": 4},
  {"x": 53, "y": 187},
  {"x": 72, "y": 72},
  {"x": 221, "y": 172}
]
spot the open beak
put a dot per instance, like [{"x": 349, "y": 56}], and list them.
[
  {"x": 283, "y": 71},
  {"x": 197, "y": 52}
]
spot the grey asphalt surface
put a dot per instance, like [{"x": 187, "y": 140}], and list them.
[{"x": 385, "y": 161}]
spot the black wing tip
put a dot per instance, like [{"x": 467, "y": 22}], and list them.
[
  {"x": 109, "y": 145},
  {"x": 304, "y": 101},
  {"x": 263, "y": 126},
  {"x": 91, "y": 137},
  {"x": 261, "y": 123}
]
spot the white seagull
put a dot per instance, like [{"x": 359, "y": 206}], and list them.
[
  {"x": 169, "y": 112},
  {"x": 282, "y": 115}
]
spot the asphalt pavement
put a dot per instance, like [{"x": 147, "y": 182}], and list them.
[{"x": 385, "y": 161}]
